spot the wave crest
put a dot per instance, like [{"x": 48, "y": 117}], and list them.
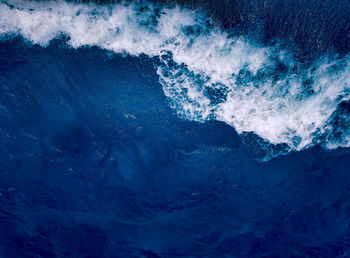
[{"x": 205, "y": 72}]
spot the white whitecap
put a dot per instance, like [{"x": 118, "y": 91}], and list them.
[{"x": 205, "y": 73}]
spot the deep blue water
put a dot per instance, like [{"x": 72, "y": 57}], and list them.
[{"x": 94, "y": 163}]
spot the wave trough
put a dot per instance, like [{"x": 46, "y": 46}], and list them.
[{"x": 205, "y": 72}]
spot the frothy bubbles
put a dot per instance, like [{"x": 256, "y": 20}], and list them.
[{"x": 205, "y": 73}]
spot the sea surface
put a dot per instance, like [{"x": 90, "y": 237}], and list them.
[{"x": 160, "y": 130}]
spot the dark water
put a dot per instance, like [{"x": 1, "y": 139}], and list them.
[{"x": 94, "y": 163}]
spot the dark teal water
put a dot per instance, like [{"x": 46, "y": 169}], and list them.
[{"x": 94, "y": 163}]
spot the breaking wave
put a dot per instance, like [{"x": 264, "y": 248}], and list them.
[{"x": 205, "y": 72}]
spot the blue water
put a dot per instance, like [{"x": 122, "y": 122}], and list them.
[{"x": 94, "y": 163}]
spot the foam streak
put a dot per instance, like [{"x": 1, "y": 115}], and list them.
[{"x": 205, "y": 73}]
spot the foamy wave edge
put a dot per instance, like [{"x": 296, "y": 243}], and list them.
[{"x": 206, "y": 73}]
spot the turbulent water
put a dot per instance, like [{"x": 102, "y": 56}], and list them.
[
  {"x": 206, "y": 73},
  {"x": 139, "y": 130}
]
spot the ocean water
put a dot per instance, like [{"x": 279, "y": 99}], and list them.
[{"x": 147, "y": 130}]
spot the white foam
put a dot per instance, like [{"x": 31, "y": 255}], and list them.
[{"x": 205, "y": 73}]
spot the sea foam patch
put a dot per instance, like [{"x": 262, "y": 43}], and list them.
[{"x": 205, "y": 72}]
